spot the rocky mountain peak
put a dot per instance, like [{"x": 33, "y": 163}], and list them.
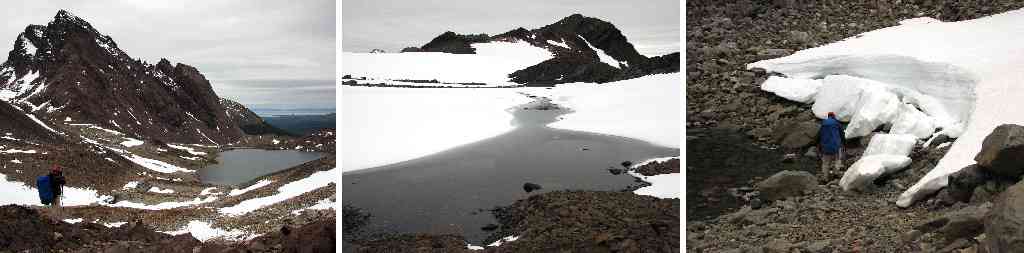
[{"x": 68, "y": 69}]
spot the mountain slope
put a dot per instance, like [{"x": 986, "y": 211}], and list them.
[
  {"x": 68, "y": 69},
  {"x": 585, "y": 49},
  {"x": 247, "y": 120}
]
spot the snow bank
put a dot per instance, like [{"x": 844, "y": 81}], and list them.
[
  {"x": 963, "y": 75},
  {"x": 208, "y": 191},
  {"x": 645, "y": 108},
  {"x": 261, "y": 183},
  {"x": 323, "y": 204},
  {"x": 164, "y": 205},
  {"x": 506, "y": 239},
  {"x": 155, "y": 165},
  {"x": 491, "y": 64},
  {"x": 15, "y": 151},
  {"x": 800, "y": 90},
  {"x": 285, "y": 192},
  {"x": 389, "y": 125},
  {"x": 73, "y": 221},
  {"x": 114, "y": 224},
  {"x": 187, "y": 149}
]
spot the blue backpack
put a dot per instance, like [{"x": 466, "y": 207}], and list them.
[{"x": 45, "y": 191}]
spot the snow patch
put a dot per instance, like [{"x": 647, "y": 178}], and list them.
[
  {"x": 203, "y": 231},
  {"x": 131, "y": 142},
  {"x": 290, "y": 190},
  {"x": 601, "y": 55},
  {"x": 257, "y": 185},
  {"x": 155, "y": 165},
  {"x": 158, "y": 190}
]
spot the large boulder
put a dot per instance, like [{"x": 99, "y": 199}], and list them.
[
  {"x": 962, "y": 183},
  {"x": 797, "y": 135},
  {"x": 1002, "y": 152},
  {"x": 1004, "y": 224},
  {"x": 786, "y": 184}
]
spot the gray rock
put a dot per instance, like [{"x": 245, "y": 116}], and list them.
[
  {"x": 774, "y": 52},
  {"x": 1002, "y": 151},
  {"x": 965, "y": 223},
  {"x": 942, "y": 138},
  {"x": 797, "y": 135},
  {"x": 811, "y": 152},
  {"x": 1004, "y": 225},
  {"x": 529, "y": 187},
  {"x": 823, "y": 246},
  {"x": 911, "y": 236},
  {"x": 962, "y": 183},
  {"x": 786, "y": 184},
  {"x": 778, "y": 246},
  {"x": 955, "y": 245},
  {"x": 800, "y": 37}
]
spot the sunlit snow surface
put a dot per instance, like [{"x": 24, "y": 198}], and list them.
[
  {"x": 491, "y": 64},
  {"x": 645, "y": 108},
  {"x": 963, "y": 75}
]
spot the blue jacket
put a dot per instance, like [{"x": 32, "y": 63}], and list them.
[{"x": 830, "y": 136}]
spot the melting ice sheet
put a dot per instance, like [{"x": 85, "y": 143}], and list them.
[{"x": 962, "y": 76}]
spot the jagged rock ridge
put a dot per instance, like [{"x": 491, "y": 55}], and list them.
[
  {"x": 68, "y": 69},
  {"x": 574, "y": 41},
  {"x": 247, "y": 120}
]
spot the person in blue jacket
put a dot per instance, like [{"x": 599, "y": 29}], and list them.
[{"x": 830, "y": 146}]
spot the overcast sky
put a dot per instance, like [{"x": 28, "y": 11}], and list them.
[
  {"x": 652, "y": 26},
  {"x": 285, "y": 49}
]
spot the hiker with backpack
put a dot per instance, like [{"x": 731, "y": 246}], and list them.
[
  {"x": 830, "y": 147},
  {"x": 51, "y": 187}
]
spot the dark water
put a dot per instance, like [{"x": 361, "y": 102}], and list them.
[
  {"x": 720, "y": 159},
  {"x": 445, "y": 192},
  {"x": 242, "y": 165}
]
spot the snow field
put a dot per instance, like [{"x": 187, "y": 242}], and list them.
[
  {"x": 491, "y": 63},
  {"x": 389, "y": 125},
  {"x": 645, "y": 108}
]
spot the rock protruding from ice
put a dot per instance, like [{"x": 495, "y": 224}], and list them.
[{"x": 1002, "y": 151}]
